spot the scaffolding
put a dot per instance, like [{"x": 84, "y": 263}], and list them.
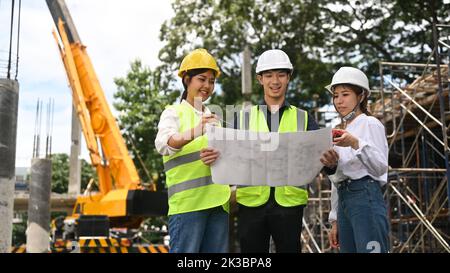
[
  {"x": 413, "y": 103},
  {"x": 315, "y": 232}
]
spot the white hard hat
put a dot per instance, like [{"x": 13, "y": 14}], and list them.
[
  {"x": 273, "y": 59},
  {"x": 350, "y": 75}
]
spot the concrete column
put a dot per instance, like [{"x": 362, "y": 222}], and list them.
[
  {"x": 74, "y": 161},
  {"x": 246, "y": 71},
  {"x": 9, "y": 99},
  {"x": 38, "y": 230}
]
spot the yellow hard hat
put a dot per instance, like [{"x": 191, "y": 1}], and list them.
[{"x": 199, "y": 58}]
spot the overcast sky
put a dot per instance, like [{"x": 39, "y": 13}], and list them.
[{"x": 115, "y": 33}]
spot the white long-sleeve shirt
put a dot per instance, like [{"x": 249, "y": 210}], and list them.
[
  {"x": 371, "y": 158},
  {"x": 169, "y": 125}
]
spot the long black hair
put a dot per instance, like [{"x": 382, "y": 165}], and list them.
[{"x": 190, "y": 74}]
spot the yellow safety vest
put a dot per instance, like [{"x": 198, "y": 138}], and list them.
[
  {"x": 293, "y": 120},
  {"x": 189, "y": 182}
]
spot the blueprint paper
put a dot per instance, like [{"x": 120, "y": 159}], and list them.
[{"x": 267, "y": 159}]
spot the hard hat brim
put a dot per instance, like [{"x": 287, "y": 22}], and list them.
[
  {"x": 217, "y": 72},
  {"x": 330, "y": 86},
  {"x": 263, "y": 68}
]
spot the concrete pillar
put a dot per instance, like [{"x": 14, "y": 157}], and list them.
[
  {"x": 38, "y": 231},
  {"x": 74, "y": 161},
  {"x": 246, "y": 72},
  {"x": 9, "y": 99}
]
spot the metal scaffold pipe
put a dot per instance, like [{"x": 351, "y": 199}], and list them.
[
  {"x": 416, "y": 210},
  {"x": 437, "y": 56}
]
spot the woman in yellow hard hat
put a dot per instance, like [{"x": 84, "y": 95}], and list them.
[{"x": 198, "y": 209}]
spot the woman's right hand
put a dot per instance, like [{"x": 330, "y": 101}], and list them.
[
  {"x": 209, "y": 155},
  {"x": 178, "y": 140},
  {"x": 333, "y": 235},
  {"x": 200, "y": 129}
]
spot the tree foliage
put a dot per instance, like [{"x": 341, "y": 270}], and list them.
[
  {"x": 319, "y": 36},
  {"x": 60, "y": 173},
  {"x": 140, "y": 99}
]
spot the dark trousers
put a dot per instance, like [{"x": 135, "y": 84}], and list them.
[{"x": 257, "y": 224}]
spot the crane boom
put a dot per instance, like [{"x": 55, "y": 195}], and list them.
[
  {"x": 58, "y": 9},
  {"x": 122, "y": 198},
  {"x": 96, "y": 118}
]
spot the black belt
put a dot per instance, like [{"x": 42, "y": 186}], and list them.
[{"x": 346, "y": 182}]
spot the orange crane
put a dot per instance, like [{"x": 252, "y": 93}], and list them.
[{"x": 122, "y": 200}]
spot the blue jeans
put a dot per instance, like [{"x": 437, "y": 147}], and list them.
[
  {"x": 204, "y": 231},
  {"x": 363, "y": 226}
]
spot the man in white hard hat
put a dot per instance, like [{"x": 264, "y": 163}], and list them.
[{"x": 264, "y": 211}]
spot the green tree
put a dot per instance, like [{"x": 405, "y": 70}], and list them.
[
  {"x": 319, "y": 36},
  {"x": 19, "y": 236},
  {"x": 140, "y": 99},
  {"x": 373, "y": 31},
  {"x": 60, "y": 173}
]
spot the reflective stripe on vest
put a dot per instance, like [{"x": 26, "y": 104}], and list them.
[
  {"x": 190, "y": 184},
  {"x": 184, "y": 159},
  {"x": 293, "y": 120},
  {"x": 190, "y": 187}
]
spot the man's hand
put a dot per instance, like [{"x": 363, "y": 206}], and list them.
[
  {"x": 330, "y": 158},
  {"x": 209, "y": 156}
]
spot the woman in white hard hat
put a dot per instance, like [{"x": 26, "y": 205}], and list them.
[
  {"x": 359, "y": 214},
  {"x": 198, "y": 209}
]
